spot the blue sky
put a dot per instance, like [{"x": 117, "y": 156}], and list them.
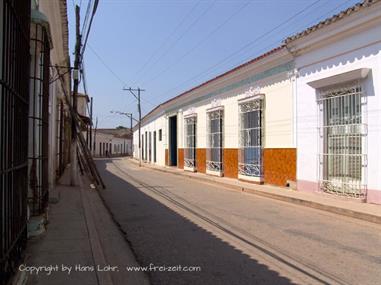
[{"x": 170, "y": 46}]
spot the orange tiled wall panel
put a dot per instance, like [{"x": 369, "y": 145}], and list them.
[
  {"x": 201, "y": 160},
  {"x": 279, "y": 165},
  {"x": 166, "y": 156},
  {"x": 231, "y": 162},
  {"x": 180, "y": 158}
]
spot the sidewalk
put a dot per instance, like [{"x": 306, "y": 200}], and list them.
[
  {"x": 81, "y": 233},
  {"x": 320, "y": 201}
]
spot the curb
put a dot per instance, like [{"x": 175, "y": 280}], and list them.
[
  {"x": 104, "y": 278},
  {"x": 301, "y": 202}
]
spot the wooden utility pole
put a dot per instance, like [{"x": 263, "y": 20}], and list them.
[
  {"x": 140, "y": 117},
  {"x": 77, "y": 54},
  {"x": 95, "y": 137},
  {"x": 91, "y": 125}
]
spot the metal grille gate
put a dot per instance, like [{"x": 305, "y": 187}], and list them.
[
  {"x": 342, "y": 140},
  {"x": 214, "y": 140},
  {"x": 250, "y": 138},
  {"x": 190, "y": 142},
  {"x": 14, "y": 97}
]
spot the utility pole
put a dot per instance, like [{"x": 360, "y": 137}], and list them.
[
  {"x": 91, "y": 125},
  {"x": 73, "y": 178},
  {"x": 140, "y": 117},
  {"x": 131, "y": 118},
  {"x": 95, "y": 136},
  {"x": 130, "y": 115}
]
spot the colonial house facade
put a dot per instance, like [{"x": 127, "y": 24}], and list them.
[
  {"x": 239, "y": 124},
  {"x": 34, "y": 123},
  {"x": 306, "y": 112},
  {"x": 48, "y": 142},
  {"x": 338, "y": 65},
  {"x": 112, "y": 142}
]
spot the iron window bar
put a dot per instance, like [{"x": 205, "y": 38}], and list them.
[
  {"x": 14, "y": 100},
  {"x": 190, "y": 124},
  {"x": 250, "y": 137},
  {"x": 39, "y": 120},
  {"x": 342, "y": 136},
  {"x": 214, "y": 152}
]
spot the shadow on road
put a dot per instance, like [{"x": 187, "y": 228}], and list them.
[{"x": 160, "y": 236}]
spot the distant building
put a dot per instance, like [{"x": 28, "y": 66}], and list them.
[{"x": 112, "y": 142}]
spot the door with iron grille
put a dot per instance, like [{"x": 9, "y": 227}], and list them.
[
  {"x": 154, "y": 146},
  {"x": 150, "y": 147},
  {"x": 342, "y": 135},
  {"x": 190, "y": 142},
  {"x": 214, "y": 163},
  {"x": 250, "y": 139}
]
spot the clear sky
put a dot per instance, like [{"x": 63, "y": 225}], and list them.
[{"x": 170, "y": 46}]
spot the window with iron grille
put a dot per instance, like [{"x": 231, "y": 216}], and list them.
[
  {"x": 214, "y": 140},
  {"x": 39, "y": 119},
  {"x": 190, "y": 142},
  {"x": 14, "y": 107},
  {"x": 250, "y": 138},
  {"x": 342, "y": 135}
]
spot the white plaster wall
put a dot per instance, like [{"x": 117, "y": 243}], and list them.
[
  {"x": 52, "y": 11},
  {"x": 358, "y": 51},
  {"x": 82, "y": 105},
  {"x": 278, "y": 116},
  {"x": 155, "y": 125},
  {"x": 106, "y": 138}
]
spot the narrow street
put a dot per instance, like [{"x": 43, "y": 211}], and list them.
[{"x": 235, "y": 238}]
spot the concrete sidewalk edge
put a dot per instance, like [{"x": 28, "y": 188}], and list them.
[
  {"x": 95, "y": 243},
  {"x": 298, "y": 201}
]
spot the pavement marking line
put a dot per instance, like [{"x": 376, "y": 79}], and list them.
[
  {"x": 104, "y": 278},
  {"x": 311, "y": 272}
]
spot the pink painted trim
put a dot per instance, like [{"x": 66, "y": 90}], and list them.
[
  {"x": 307, "y": 186},
  {"x": 373, "y": 196}
]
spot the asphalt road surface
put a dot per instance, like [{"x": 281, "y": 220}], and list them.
[{"x": 233, "y": 237}]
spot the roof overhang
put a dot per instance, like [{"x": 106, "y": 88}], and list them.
[{"x": 352, "y": 75}]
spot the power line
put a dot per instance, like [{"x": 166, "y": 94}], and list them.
[
  {"x": 253, "y": 41},
  {"x": 193, "y": 24},
  {"x": 314, "y": 21},
  {"x": 202, "y": 40},
  {"x": 124, "y": 83},
  {"x": 95, "y": 6},
  {"x": 84, "y": 24},
  {"x": 106, "y": 65},
  {"x": 187, "y": 15}
]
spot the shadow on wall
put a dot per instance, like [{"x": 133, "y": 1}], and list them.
[{"x": 161, "y": 236}]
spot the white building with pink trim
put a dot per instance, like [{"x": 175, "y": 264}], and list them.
[{"x": 338, "y": 104}]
